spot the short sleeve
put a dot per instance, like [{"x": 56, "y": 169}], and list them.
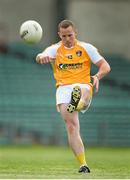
[
  {"x": 92, "y": 52},
  {"x": 50, "y": 51}
]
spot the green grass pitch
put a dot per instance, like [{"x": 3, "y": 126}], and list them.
[{"x": 48, "y": 162}]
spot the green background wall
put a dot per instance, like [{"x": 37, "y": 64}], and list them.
[{"x": 27, "y": 103}]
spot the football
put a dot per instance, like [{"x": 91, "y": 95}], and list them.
[{"x": 31, "y": 32}]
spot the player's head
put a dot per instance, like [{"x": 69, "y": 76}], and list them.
[{"x": 67, "y": 32}]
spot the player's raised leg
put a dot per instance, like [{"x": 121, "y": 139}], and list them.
[
  {"x": 85, "y": 100},
  {"x": 80, "y": 99}
]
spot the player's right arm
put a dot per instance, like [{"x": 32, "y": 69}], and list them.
[
  {"x": 41, "y": 59},
  {"x": 47, "y": 56}
]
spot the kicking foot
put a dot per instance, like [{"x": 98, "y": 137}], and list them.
[{"x": 75, "y": 97}]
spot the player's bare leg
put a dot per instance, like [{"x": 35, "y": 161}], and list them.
[
  {"x": 85, "y": 100},
  {"x": 74, "y": 138}
]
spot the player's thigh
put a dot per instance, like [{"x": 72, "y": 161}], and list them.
[{"x": 85, "y": 93}]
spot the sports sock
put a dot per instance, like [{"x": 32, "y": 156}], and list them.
[{"x": 81, "y": 159}]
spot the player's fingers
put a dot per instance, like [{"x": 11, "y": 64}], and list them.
[
  {"x": 97, "y": 86},
  {"x": 40, "y": 61},
  {"x": 38, "y": 58},
  {"x": 52, "y": 59},
  {"x": 95, "y": 83},
  {"x": 48, "y": 59},
  {"x": 93, "y": 80},
  {"x": 44, "y": 60}
]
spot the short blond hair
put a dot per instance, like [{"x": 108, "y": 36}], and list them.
[{"x": 65, "y": 24}]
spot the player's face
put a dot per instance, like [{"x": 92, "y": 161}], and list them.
[{"x": 67, "y": 36}]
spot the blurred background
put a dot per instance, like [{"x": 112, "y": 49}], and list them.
[{"x": 27, "y": 92}]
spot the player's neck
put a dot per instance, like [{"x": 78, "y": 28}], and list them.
[{"x": 69, "y": 46}]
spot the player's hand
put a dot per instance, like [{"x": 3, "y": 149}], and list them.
[
  {"x": 40, "y": 59},
  {"x": 95, "y": 82}
]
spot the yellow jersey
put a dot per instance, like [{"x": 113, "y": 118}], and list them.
[{"x": 72, "y": 65}]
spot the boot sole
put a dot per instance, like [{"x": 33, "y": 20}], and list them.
[{"x": 75, "y": 97}]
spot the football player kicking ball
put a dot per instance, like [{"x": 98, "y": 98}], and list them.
[{"x": 71, "y": 60}]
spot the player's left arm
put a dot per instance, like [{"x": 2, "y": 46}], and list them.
[
  {"x": 99, "y": 61},
  {"x": 103, "y": 70}
]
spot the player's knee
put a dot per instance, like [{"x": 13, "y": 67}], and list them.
[
  {"x": 85, "y": 94},
  {"x": 71, "y": 127}
]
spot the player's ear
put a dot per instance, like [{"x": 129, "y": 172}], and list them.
[
  {"x": 59, "y": 34},
  {"x": 76, "y": 32}
]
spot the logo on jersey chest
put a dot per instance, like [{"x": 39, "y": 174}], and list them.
[
  {"x": 70, "y": 66},
  {"x": 71, "y": 56},
  {"x": 79, "y": 53}
]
